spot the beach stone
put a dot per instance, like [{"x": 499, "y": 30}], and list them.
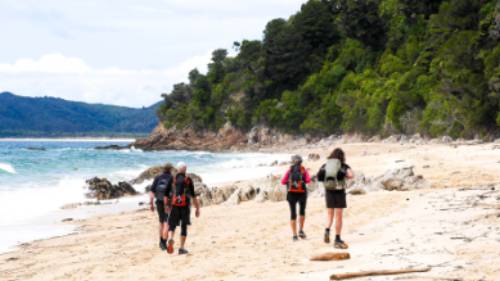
[
  {"x": 148, "y": 174},
  {"x": 111, "y": 147},
  {"x": 375, "y": 138},
  {"x": 313, "y": 157},
  {"x": 152, "y": 172},
  {"x": 446, "y": 139},
  {"x": 102, "y": 189},
  {"x": 71, "y": 206},
  {"x": 67, "y": 220},
  {"x": 234, "y": 199},
  {"x": 402, "y": 179},
  {"x": 261, "y": 196},
  {"x": 392, "y": 139},
  {"x": 241, "y": 194},
  {"x": 247, "y": 193}
]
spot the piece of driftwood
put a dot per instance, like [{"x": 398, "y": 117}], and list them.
[
  {"x": 331, "y": 257},
  {"x": 342, "y": 276}
]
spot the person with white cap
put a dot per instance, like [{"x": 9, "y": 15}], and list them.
[{"x": 181, "y": 194}]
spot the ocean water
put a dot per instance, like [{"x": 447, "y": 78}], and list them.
[{"x": 37, "y": 177}]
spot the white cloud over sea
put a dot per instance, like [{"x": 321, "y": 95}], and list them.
[
  {"x": 124, "y": 52},
  {"x": 72, "y": 78}
]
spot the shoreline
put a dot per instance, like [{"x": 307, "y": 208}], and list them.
[
  {"x": 69, "y": 139},
  {"x": 49, "y": 224},
  {"x": 449, "y": 167}
]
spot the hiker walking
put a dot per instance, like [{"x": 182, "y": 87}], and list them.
[
  {"x": 334, "y": 174},
  {"x": 296, "y": 180},
  {"x": 157, "y": 194},
  {"x": 181, "y": 195}
]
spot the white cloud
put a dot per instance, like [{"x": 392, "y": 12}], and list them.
[
  {"x": 124, "y": 52},
  {"x": 71, "y": 78}
]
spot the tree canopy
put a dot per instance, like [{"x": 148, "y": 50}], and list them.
[{"x": 373, "y": 67}]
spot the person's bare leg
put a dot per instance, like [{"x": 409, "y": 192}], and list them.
[
  {"x": 183, "y": 241},
  {"x": 329, "y": 218},
  {"x": 338, "y": 221},
  {"x": 293, "y": 224},
  {"x": 302, "y": 220},
  {"x": 329, "y": 222},
  {"x": 338, "y": 230},
  {"x": 165, "y": 231}
]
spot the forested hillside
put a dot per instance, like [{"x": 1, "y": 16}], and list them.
[
  {"x": 371, "y": 66},
  {"x": 51, "y": 117}
]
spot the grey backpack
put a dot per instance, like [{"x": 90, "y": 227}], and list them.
[{"x": 332, "y": 168}]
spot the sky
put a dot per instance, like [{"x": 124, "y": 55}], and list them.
[{"x": 122, "y": 52}]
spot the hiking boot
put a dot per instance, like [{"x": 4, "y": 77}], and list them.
[
  {"x": 339, "y": 244},
  {"x": 302, "y": 234},
  {"x": 326, "y": 238},
  {"x": 295, "y": 238},
  {"x": 163, "y": 245},
  {"x": 170, "y": 246},
  {"x": 183, "y": 251}
]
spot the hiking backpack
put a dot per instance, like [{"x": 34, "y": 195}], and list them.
[
  {"x": 296, "y": 181},
  {"x": 332, "y": 168},
  {"x": 180, "y": 191}
]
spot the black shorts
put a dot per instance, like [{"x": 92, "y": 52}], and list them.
[
  {"x": 178, "y": 215},
  {"x": 335, "y": 199},
  {"x": 160, "y": 208}
]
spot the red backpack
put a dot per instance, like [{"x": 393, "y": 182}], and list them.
[
  {"x": 296, "y": 181},
  {"x": 179, "y": 192}
]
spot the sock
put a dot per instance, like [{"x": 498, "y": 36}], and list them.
[
  {"x": 337, "y": 237},
  {"x": 327, "y": 230},
  {"x": 163, "y": 241}
]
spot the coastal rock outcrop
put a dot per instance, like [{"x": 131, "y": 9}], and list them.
[
  {"x": 111, "y": 147},
  {"x": 242, "y": 194},
  {"x": 148, "y": 174},
  {"x": 402, "y": 179},
  {"x": 103, "y": 189},
  {"x": 189, "y": 139}
]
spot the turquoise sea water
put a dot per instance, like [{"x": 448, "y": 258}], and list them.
[{"x": 37, "y": 177}]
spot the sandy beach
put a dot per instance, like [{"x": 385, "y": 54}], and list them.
[{"x": 453, "y": 227}]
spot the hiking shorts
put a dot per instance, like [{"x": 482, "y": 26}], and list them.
[
  {"x": 335, "y": 199},
  {"x": 179, "y": 216},
  {"x": 160, "y": 208}
]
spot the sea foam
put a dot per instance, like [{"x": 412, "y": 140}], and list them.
[{"x": 7, "y": 168}]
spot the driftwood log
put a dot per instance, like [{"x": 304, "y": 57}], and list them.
[
  {"x": 342, "y": 276},
  {"x": 331, "y": 257}
]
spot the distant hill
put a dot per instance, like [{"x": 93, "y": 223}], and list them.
[{"x": 53, "y": 117}]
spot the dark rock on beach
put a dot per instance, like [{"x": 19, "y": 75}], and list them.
[
  {"x": 112, "y": 147},
  {"x": 313, "y": 157},
  {"x": 102, "y": 189},
  {"x": 36, "y": 148}
]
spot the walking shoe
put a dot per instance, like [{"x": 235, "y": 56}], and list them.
[{"x": 170, "y": 246}]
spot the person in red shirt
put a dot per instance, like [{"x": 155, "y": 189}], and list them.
[{"x": 296, "y": 180}]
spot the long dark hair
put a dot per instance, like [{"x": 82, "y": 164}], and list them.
[{"x": 338, "y": 153}]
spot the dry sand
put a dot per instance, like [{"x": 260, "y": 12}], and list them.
[{"x": 454, "y": 230}]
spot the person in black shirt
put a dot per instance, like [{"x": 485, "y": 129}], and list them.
[
  {"x": 161, "y": 184},
  {"x": 335, "y": 196},
  {"x": 181, "y": 193}
]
